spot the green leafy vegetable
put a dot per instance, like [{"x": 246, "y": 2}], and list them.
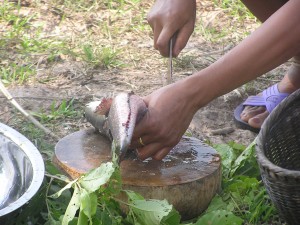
[
  {"x": 242, "y": 192},
  {"x": 228, "y": 156},
  {"x": 72, "y": 207},
  {"x": 97, "y": 177},
  {"x": 218, "y": 217},
  {"x": 68, "y": 186},
  {"x": 88, "y": 203},
  {"x": 151, "y": 212}
]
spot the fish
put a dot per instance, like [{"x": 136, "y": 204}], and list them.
[{"x": 116, "y": 118}]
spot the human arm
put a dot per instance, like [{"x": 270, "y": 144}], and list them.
[
  {"x": 168, "y": 17},
  {"x": 171, "y": 108}
]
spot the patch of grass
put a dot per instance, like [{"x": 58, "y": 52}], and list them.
[
  {"x": 22, "y": 44},
  {"x": 105, "y": 57},
  {"x": 235, "y": 8},
  {"x": 38, "y": 137},
  {"x": 16, "y": 74},
  {"x": 212, "y": 34},
  {"x": 64, "y": 110},
  {"x": 229, "y": 21},
  {"x": 184, "y": 62},
  {"x": 90, "y": 5},
  {"x": 139, "y": 23}
]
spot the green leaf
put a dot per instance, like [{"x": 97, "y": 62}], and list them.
[
  {"x": 52, "y": 221},
  {"x": 105, "y": 218},
  {"x": 51, "y": 168},
  {"x": 246, "y": 163},
  {"x": 172, "y": 218},
  {"x": 218, "y": 217},
  {"x": 216, "y": 203},
  {"x": 236, "y": 146},
  {"x": 133, "y": 196},
  {"x": 83, "y": 219},
  {"x": 228, "y": 157},
  {"x": 68, "y": 186},
  {"x": 88, "y": 203},
  {"x": 153, "y": 212},
  {"x": 72, "y": 207},
  {"x": 93, "y": 180},
  {"x": 243, "y": 185},
  {"x": 57, "y": 206}
]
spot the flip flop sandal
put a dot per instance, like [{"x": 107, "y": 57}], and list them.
[{"x": 270, "y": 98}]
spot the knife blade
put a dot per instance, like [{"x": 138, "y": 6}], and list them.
[{"x": 170, "y": 62}]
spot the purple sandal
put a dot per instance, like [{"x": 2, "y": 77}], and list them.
[{"x": 270, "y": 98}]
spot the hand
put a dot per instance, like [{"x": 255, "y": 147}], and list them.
[
  {"x": 168, "y": 17},
  {"x": 169, "y": 115}
]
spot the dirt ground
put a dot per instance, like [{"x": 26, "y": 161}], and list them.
[{"x": 67, "y": 78}]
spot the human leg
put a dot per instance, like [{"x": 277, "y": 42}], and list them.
[{"x": 255, "y": 115}]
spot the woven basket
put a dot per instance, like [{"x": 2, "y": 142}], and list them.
[{"x": 278, "y": 156}]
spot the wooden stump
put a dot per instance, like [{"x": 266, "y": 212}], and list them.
[{"x": 188, "y": 177}]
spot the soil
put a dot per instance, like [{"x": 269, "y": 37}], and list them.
[{"x": 68, "y": 77}]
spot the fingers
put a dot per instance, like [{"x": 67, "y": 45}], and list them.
[
  {"x": 140, "y": 142},
  {"x": 156, "y": 32},
  {"x": 140, "y": 138},
  {"x": 163, "y": 40},
  {"x": 153, "y": 150},
  {"x": 162, "y": 153},
  {"x": 141, "y": 129},
  {"x": 182, "y": 38},
  {"x": 162, "y": 37},
  {"x": 148, "y": 145}
]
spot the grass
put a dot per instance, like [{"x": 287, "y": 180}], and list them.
[
  {"x": 16, "y": 73},
  {"x": 23, "y": 39},
  {"x": 220, "y": 24},
  {"x": 65, "y": 110},
  {"x": 235, "y": 8},
  {"x": 104, "y": 57}
]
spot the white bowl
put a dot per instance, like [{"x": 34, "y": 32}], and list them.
[{"x": 21, "y": 170}]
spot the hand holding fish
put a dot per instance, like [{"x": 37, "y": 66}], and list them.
[{"x": 169, "y": 115}]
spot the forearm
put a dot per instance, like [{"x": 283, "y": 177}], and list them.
[{"x": 277, "y": 40}]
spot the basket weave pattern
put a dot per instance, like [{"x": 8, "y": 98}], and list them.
[{"x": 278, "y": 156}]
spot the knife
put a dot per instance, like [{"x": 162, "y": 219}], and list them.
[{"x": 170, "y": 63}]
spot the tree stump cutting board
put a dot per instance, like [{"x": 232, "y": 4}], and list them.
[{"x": 188, "y": 177}]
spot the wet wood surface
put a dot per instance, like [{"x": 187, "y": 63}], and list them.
[{"x": 188, "y": 177}]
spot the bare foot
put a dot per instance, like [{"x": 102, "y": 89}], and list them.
[{"x": 256, "y": 115}]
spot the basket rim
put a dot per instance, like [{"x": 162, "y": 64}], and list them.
[{"x": 275, "y": 115}]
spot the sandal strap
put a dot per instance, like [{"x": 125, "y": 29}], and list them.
[{"x": 270, "y": 98}]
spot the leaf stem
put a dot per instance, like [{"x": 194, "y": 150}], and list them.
[{"x": 66, "y": 180}]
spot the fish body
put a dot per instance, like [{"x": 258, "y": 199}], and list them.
[{"x": 116, "y": 118}]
